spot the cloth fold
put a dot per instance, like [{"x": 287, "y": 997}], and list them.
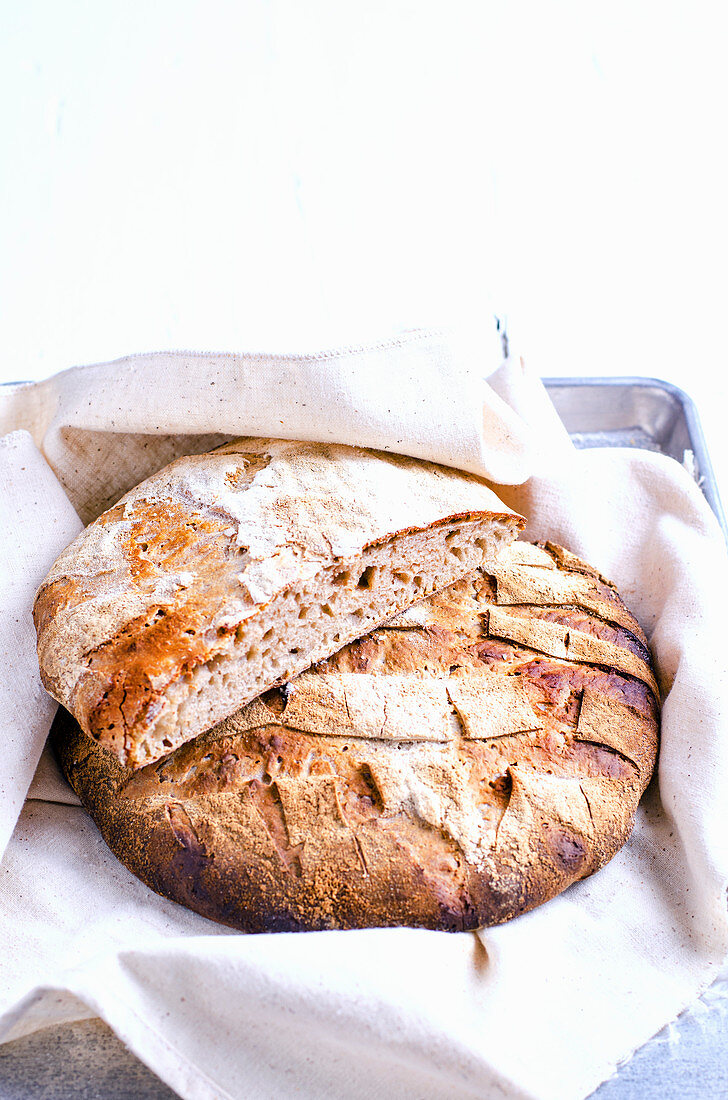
[
  {"x": 37, "y": 522},
  {"x": 104, "y": 428},
  {"x": 543, "y": 1007}
]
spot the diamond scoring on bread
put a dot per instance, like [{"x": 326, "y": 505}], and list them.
[
  {"x": 227, "y": 573},
  {"x": 346, "y": 800}
]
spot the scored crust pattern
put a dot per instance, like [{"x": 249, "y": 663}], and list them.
[{"x": 461, "y": 764}]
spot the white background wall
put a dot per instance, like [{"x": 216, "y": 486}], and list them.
[{"x": 281, "y": 174}]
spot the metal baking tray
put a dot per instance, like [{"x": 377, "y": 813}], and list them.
[
  {"x": 685, "y": 1058},
  {"x": 637, "y": 412}
]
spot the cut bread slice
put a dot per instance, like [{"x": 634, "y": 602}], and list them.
[{"x": 228, "y": 573}]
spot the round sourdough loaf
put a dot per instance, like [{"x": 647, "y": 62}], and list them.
[
  {"x": 229, "y": 572},
  {"x": 461, "y": 764}
]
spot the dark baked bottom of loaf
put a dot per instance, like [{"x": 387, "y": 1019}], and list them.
[{"x": 460, "y": 765}]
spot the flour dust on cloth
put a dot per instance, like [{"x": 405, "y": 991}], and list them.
[{"x": 543, "y": 1007}]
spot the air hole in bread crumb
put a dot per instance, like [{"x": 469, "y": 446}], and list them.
[
  {"x": 456, "y": 552},
  {"x": 302, "y": 614},
  {"x": 268, "y": 635},
  {"x": 328, "y": 610},
  {"x": 403, "y": 578},
  {"x": 167, "y": 743},
  {"x": 366, "y": 580},
  {"x": 267, "y": 778},
  {"x": 343, "y": 577},
  {"x": 501, "y": 783}
]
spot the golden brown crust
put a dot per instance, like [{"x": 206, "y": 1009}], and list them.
[
  {"x": 438, "y": 772},
  {"x": 189, "y": 570}
]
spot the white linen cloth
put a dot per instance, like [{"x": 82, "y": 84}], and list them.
[{"x": 541, "y": 1008}]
